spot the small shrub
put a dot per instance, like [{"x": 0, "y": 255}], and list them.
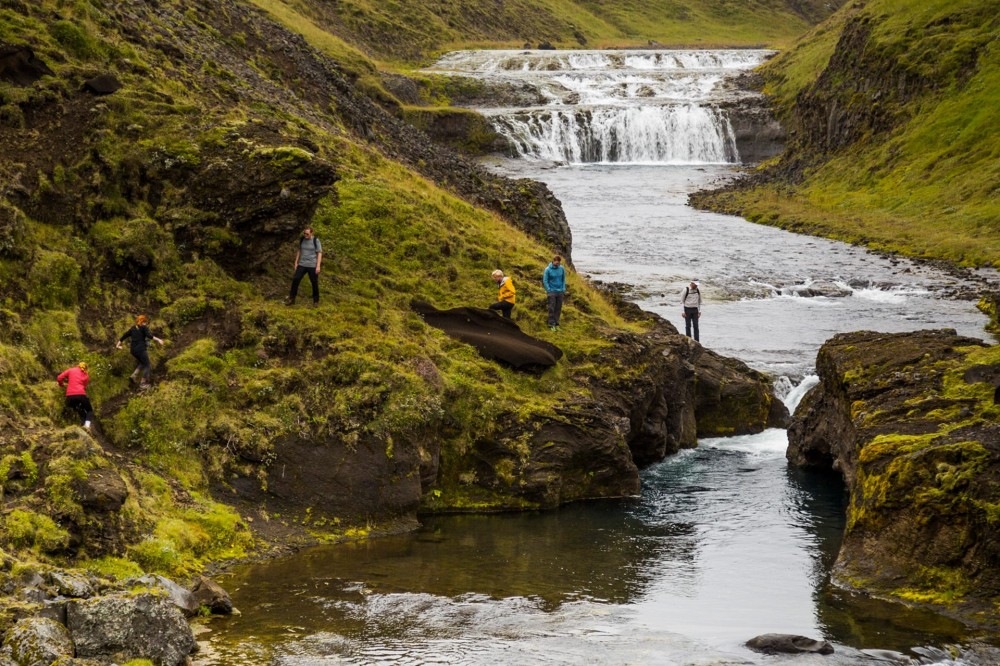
[
  {"x": 55, "y": 280},
  {"x": 26, "y": 529}
]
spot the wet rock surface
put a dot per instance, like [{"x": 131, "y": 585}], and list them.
[
  {"x": 788, "y": 644},
  {"x": 910, "y": 421}
]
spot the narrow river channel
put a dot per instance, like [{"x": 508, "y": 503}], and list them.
[{"x": 726, "y": 541}]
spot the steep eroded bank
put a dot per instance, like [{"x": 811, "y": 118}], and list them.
[{"x": 911, "y": 422}]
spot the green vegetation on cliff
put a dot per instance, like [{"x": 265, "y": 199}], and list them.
[{"x": 893, "y": 143}]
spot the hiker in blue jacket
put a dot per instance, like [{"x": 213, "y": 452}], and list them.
[{"x": 554, "y": 281}]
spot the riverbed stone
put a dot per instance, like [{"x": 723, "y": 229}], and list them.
[
  {"x": 788, "y": 644},
  {"x": 911, "y": 422},
  {"x": 125, "y": 626},
  {"x": 210, "y": 594}
]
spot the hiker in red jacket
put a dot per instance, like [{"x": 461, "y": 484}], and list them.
[{"x": 75, "y": 380}]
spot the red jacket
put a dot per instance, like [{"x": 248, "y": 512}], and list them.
[{"x": 76, "y": 381}]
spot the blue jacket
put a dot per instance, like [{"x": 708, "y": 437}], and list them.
[{"x": 554, "y": 279}]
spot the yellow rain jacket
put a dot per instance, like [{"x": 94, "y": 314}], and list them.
[{"x": 506, "y": 292}]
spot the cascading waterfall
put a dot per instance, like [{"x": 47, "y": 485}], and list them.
[{"x": 632, "y": 107}]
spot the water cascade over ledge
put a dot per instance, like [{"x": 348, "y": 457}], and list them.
[{"x": 625, "y": 107}]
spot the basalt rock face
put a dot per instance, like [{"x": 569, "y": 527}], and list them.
[
  {"x": 911, "y": 421},
  {"x": 661, "y": 393}
]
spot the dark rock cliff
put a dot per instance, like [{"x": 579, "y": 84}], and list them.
[{"x": 911, "y": 422}]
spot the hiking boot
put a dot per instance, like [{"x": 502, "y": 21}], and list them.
[
  {"x": 289, "y": 300},
  {"x": 144, "y": 385},
  {"x": 553, "y": 328},
  {"x": 315, "y": 304}
]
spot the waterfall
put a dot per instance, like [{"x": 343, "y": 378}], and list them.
[{"x": 632, "y": 107}]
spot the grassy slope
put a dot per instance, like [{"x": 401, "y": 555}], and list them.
[
  {"x": 406, "y": 32},
  {"x": 361, "y": 366},
  {"x": 929, "y": 186}
]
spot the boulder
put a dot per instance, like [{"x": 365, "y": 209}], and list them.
[
  {"x": 210, "y": 594},
  {"x": 70, "y": 584},
  {"x": 788, "y": 644},
  {"x": 910, "y": 421},
  {"x": 37, "y": 641},
  {"x": 104, "y": 84},
  {"x": 125, "y": 626},
  {"x": 180, "y": 596}
]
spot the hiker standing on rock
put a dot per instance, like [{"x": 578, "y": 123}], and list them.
[
  {"x": 139, "y": 337},
  {"x": 691, "y": 300},
  {"x": 505, "y": 295},
  {"x": 554, "y": 281},
  {"x": 75, "y": 380},
  {"x": 308, "y": 260}
]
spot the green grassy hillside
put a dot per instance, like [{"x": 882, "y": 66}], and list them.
[
  {"x": 406, "y": 32},
  {"x": 891, "y": 107},
  {"x": 179, "y": 192}
]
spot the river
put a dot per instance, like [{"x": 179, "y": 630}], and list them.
[{"x": 726, "y": 541}]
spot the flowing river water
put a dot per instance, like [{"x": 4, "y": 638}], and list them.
[{"x": 726, "y": 541}]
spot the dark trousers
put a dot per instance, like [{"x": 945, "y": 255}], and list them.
[
  {"x": 81, "y": 405},
  {"x": 691, "y": 320},
  {"x": 313, "y": 278},
  {"x": 504, "y": 307},
  {"x": 555, "y": 301},
  {"x": 142, "y": 356}
]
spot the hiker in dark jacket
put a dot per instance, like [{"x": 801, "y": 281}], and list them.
[
  {"x": 554, "y": 281},
  {"x": 308, "y": 261},
  {"x": 75, "y": 380},
  {"x": 139, "y": 337}
]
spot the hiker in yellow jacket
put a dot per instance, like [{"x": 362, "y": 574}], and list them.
[{"x": 505, "y": 296}]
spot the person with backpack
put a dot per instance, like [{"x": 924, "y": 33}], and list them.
[
  {"x": 308, "y": 260},
  {"x": 554, "y": 281},
  {"x": 139, "y": 337},
  {"x": 691, "y": 302},
  {"x": 75, "y": 380},
  {"x": 505, "y": 296}
]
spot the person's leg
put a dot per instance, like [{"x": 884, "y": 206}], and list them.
[
  {"x": 80, "y": 405},
  {"x": 299, "y": 273},
  {"x": 145, "y": 367},
  {"x": 687, "y": 323},
  {"x": 507, "y": 309},
  {"x": 314, "y": 279},
  {"x": 693, "y": 317},
  {"x": 553, "y": 318},
  {"x": 560, "y": 297},
  {"x": 498, "y": 306},
  {"x": 88, "y": 411}
]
